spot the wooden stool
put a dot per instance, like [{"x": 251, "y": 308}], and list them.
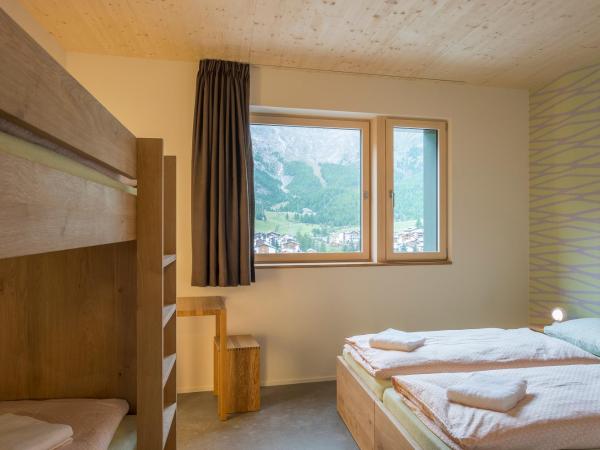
[{"x": 243, "y": 365}]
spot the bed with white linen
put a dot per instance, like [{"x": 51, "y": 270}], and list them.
[
  {"x": 97, "y": 424},
  {"x": 467, "y": 351},
  {"x": 378, "y": 416},
  {"x": 460, "y": 351},
  {"x": 561, "y": 409}
]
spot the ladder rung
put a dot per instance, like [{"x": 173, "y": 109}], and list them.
[
  {"x": 168, "y": 364},
  {"x": 168, "y": 415},
  {"x": 168, "y": 259},
  {"x": 168, "y": 311}
]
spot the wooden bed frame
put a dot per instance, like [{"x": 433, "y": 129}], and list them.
[
  {"x": 87, "y": 270},
  {"x": 368, "y": 420}
]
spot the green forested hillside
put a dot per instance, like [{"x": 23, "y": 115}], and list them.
[{"x": 334, "y": 200}]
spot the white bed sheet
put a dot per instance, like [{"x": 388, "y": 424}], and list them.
[{"x": 94, "y": 421}]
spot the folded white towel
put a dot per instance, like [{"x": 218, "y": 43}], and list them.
[
  {"x": 488, "y": 391},
  {"x": 23, "y": 432},
  {"x": 391, "y": 339}
]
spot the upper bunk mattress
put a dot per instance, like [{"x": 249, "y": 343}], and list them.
[
  {"x": 468, "y": 350},
  {"x": 94, "y": 421},
  {"x": 561, "y": 410}
]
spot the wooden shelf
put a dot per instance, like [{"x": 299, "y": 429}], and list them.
[
  {"x": 168, "y": 311},
  {"x": 168, "y": 259},
  {"x": 168, "y": 415},
  {"x": 199, "y": 306},
  {"x": 168, "y": 363}
]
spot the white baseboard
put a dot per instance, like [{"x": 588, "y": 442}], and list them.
[
  {"x": 281, "y": 382},
  {"x": 190, "y": 389},
  {"x": 296, "y": 381}
]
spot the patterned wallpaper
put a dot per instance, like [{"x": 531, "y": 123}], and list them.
[{"x": 565, "y": 196}]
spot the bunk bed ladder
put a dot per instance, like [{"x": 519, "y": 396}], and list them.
[{"x": 156, "y": 320}]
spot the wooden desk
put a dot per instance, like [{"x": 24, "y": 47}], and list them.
[{"x": 211, "y": 306}]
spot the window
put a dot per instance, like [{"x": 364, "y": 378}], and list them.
[
  {"x": 311, "y": 180},
  {"x": 415, "y": 207}
]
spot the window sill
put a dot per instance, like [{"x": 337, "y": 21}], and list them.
[{"x": 313, "y": 265}]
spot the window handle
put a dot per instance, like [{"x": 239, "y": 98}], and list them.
[{"x": 392, "y": 196}]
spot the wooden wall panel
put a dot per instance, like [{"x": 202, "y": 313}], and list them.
[
  {"x": 46, "y": 210},
  {"x": 69, "y": 324},
  {"x": 37, "y": 93}
]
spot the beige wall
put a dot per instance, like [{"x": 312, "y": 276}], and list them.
[
  {"x": 20, "y": 15},
  {"x": 300, "y": 316}
]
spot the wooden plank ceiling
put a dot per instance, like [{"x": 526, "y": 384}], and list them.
[{"x": 516, "y": 43}]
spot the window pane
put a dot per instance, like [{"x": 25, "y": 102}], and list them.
[
  {"x": 307, "y": 183},
  {"x": 415, "y": 190}
]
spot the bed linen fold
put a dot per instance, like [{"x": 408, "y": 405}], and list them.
[
  {"x": 24, "y": 432},
  {"x": 468, "y": 351},
  {"x": 560, "y": 411}
]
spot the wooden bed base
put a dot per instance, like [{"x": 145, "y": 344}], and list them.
[{"x": 372, "y": 426}]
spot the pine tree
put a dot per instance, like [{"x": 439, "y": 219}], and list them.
[{"x": 260, "y": 212}]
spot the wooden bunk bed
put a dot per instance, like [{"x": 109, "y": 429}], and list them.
[{"x": 87, "y": 247}]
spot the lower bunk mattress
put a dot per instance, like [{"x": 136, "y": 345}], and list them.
[{"x": 96, "y": 423}]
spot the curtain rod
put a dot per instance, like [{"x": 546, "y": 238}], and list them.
[{"x": 382, "y": 75}]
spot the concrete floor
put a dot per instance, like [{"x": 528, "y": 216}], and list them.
[{"x": 294, "y": 417}]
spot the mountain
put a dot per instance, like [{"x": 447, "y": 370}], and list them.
[
  {"x": 308, "y": 144},
  {"x": 300, "y": 167}
]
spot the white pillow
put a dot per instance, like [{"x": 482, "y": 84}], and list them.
[{"x": 584, "y": 333}]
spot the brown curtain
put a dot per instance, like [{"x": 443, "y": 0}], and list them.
[{"x": 222, "y": 177}]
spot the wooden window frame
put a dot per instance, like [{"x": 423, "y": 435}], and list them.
[
  {"x": 328, "y": 122},
  {"x": 387, "y": 215}
]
